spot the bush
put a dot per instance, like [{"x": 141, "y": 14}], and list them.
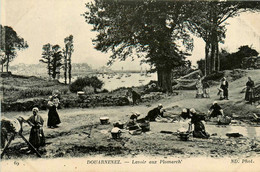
[
  {"x": 217, "y": 76},
  {"x": 88, "y": 90},
  {"x": 80, "y": 83}
]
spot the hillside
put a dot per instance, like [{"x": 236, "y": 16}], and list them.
[{"x": 80, "y": 133}]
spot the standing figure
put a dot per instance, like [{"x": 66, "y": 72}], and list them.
[
  {"x": 199, "y": 87},
  {"x": 206, "y": 89},
  {"x": 250, "y": 90},
  {"x": 36, "y": 138},
  {"x": 136, "y": 97},
  {"x": 53, "y": 117},
  {"x": 224, "y": 87},
  {"x": 154, "y": 113}
]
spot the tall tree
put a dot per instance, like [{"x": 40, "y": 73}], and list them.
[
  {"x": 52, "y": 56},
  {"x": 67, "y": 57},
  {"x": 10, "y": 43},
  {"x": 209, "y": 24},
  {"x": 2, "y": 60},
  {"x": 150, "y": 30},
  {"x": 47, "y": 57},
  {"x": 56, "y": 60}
]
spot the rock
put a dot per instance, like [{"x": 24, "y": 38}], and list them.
[{"x": 234, "y": 135}]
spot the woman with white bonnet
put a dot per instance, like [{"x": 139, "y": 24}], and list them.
[
  {"x": 36, "y": 138},
  {"x": 199, "y": 93},
  {"x": 199, "y": 128},
  {"x": 53, "y": 117},
  {"x": 250, "y": 86},
  {"x": 224, "y": 87},
  {"x": 215, "y": 110}
]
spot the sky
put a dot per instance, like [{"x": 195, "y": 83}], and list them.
[{"x": 49, "y": 21}]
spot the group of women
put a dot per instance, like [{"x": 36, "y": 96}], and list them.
[
  {"x": 36, "y": 137},
  {"x": 203, "y": 89}
]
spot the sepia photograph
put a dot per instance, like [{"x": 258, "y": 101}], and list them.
[{"x": 130, "y": 85}]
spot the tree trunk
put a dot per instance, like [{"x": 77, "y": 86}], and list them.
[
  {"x": 207, "y": 58},
  {"x": 65, "y": 64},
  {"x": 217, "y": 54},
  {"x": 49, "y": 68},
  {"x": 69, "y": 70},
  {"x": 7, "y": 63},
  {"x": 165, "y": 79},
  {"x": 2, "y": 69}
]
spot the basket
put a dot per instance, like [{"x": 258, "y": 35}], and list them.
[
  {"x": 224, "y": 120},
  {"x": 116, "y": 135},
  {"x": 119, "y": 125},
  {"x": 184, "y": 136},
  {"x": 136, "y": 132},
  {"x": 104, "y": 120},
  {"x": 145, "y": 126}
]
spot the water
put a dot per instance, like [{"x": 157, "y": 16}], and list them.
[
  {"x": 127, "y": 80},
  {"x": 122, "y": 80}
]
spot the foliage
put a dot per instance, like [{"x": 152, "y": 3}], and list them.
[
  {"x": 69, "y": 48},
  {"x": 201, "y": 65},
  {"x": 209, "y": 23},
  {"x": 88, "y": 90},
  {"x": 181, "y": 71},
  {"x": 46, "y": 57},
  {"x": 150, "y": 30},
  {"x": 216, "y": 76},
  {"x": 80, "y": 83},
  {"x": 234, "y": 60},
  {"x": 52, "y": 56},
  {"x": 10, "y": 42}
]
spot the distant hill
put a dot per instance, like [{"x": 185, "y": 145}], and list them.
[
  {"x": 78, "y": 69},
  {"x": 41, "y": 70}
]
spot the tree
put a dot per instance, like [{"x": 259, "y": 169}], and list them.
[
  {"x": 150, "y": 30},
  {"x": 209, "y": 24},
  {"x": 52, "y": 56},
  {"x": 67, "y": 57},
  {"x": 234, "y": 60},
  {"x": 10, "y": 43},
  {"x": 80, "y": 83},
  {"x": 47, "y": 56},
  {"x": 56, "y": 60},
  {"x": 2, "y": 60}
]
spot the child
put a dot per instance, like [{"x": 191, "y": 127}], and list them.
[{"x": 206, "y": 90}]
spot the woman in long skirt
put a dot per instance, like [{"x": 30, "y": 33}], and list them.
[
  {"x": 53, "y": 117},
  {"x": 199, "y": 93},
  {"x": 250, "y": 90},
  {"x": 36, "y": 138}
]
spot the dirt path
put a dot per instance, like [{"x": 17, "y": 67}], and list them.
[{"x": 80, "y": 133}]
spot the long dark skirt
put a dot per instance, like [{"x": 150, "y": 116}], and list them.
[
  {"x": 249, "y": 95},
  {"x": 53, "y": 117},
  {"x": 37, "y": 138},
  {"x": 215, "y": 113},
  {"x": 199, "y": 130}
]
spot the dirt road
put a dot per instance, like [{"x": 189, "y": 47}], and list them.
[{"x": 80, "y": 133}]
